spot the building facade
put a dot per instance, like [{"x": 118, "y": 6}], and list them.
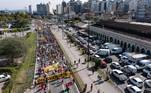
[
  {"x": 43, "y": 9},
  {"x": 143, "y": 10},
  {"x": 128, "y": 43},
  {"x": 59, "y": 9},
  {"x": 30, "y": 9}
]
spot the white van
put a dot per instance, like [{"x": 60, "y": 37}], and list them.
[
  {"x": 133, "y": 59},
  {"x": 142, "y": 64},
  {"x": 102, "y": 53},
  {"x": 114, "y": 48},
  {"x": 147, "y": 69}
]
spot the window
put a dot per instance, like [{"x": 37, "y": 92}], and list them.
[
  {"x": 133, "y": 90},
  {"x": 141, "y": 64},
  {"x": 134, "y": 80}
]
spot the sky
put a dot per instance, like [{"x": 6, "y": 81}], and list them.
[{"x": 23, "y": 4}]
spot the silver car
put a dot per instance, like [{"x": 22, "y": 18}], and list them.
[{"x": 133, "y": 89}]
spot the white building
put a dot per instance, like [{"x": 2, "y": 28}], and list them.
[
  {"x": 133, "y": 5},
  {"x": 59, "y": 9}
]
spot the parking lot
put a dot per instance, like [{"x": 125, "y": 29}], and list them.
[{"x": 95, "y": 45}]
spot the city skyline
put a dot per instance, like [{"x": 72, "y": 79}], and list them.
[{"x": 23, "y": 4}]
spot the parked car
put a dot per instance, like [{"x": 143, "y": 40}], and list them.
[
  {"x": 129, "y": 69},
  {"x": 4, "y": 77},
  {"x": 147, "y": 70},
  {"x": 147, "y": 90},
  {"x": 149, "y": 75},
  {"x": 142, "y": 64},
  {"x": 98, "y": 42},
  {"x": 147, "y": 83},
  {"x": 136, "y": 81},
  {"x": 119, "y": 75},
  {"x": 108, "y": 59},
  {"x": 114, "y": 48},
  {"x": 103, "y": 64},
  {"x": 133, "y": 89},
  {"x": 115, "y": 65},
  {"x": 123, "y": 60},
  {"x": 132, "y": 58},
  {"x": 103, "y": 53}
]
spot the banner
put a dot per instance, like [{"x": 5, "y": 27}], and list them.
[
  {"x": 52, "y": 67},
  {"x": 53, "y": 77}
]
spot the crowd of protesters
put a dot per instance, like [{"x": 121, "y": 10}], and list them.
[{"x": 48, "y": 52}]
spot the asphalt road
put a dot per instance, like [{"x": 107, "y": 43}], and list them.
[{"x": 48, "y": 53}]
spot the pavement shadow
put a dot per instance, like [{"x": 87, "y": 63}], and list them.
[
  {"x": 98, "y": 82},
  {"x": 80, "y": 70},
  {"x": 114, "y": 79}
]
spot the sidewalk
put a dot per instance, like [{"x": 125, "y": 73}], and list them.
[{"x": 86, "y": 75}]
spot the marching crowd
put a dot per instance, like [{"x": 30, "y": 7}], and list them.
[{"x": 48, "y": 52}]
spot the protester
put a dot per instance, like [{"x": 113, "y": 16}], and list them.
[{"x": 91, "y": 87}]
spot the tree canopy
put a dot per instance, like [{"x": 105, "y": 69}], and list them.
[
  {"x": 18, "y": 19},
  {"x": 12, "y": 47}
]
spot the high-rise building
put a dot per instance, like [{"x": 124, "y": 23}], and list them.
[
  {"x": 77, "y": 7},
  {"x": 43, "y": 9},
  {"x": 85, "y": 7},
  {"x": 48, "y": 8},
  {"x": 95, "y": 6},
  {"x": 30, "y": 9},
  {"x": 133, "y": 5},
  {"x": 72, "y": 3},
  {"x": 118, "y": 7},
  {"x": 103, "y": 6},
  {"x": 59, "y": 9},
  {"x": 143, "y": 10},
  {"x": 64, "y": 7},
  {"x": 109, "y": 5}
]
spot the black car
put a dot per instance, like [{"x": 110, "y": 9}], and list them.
[{"x": 147, "y": 90}]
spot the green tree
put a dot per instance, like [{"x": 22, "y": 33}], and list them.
[{"x": 12, "y": 48}]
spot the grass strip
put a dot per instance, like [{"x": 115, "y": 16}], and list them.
[{"x": 22, "y": 75}]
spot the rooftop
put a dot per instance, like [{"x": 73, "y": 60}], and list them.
[{"x": 139, "y": 56}]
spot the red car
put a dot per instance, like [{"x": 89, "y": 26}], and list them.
[{"x": 103, "y": 64}]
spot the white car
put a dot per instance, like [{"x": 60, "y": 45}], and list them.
[
  {"x": 136, "y": 81},
  {"x": 4, "y": 77},
  {"x": 133, "y": 89},
  {"x": 129, "y": 69},
  {"x": 115, "y": 65},
  {"x": 119, "y": 75}
]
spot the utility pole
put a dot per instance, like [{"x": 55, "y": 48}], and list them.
[{"x": 88, "y": 45}]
